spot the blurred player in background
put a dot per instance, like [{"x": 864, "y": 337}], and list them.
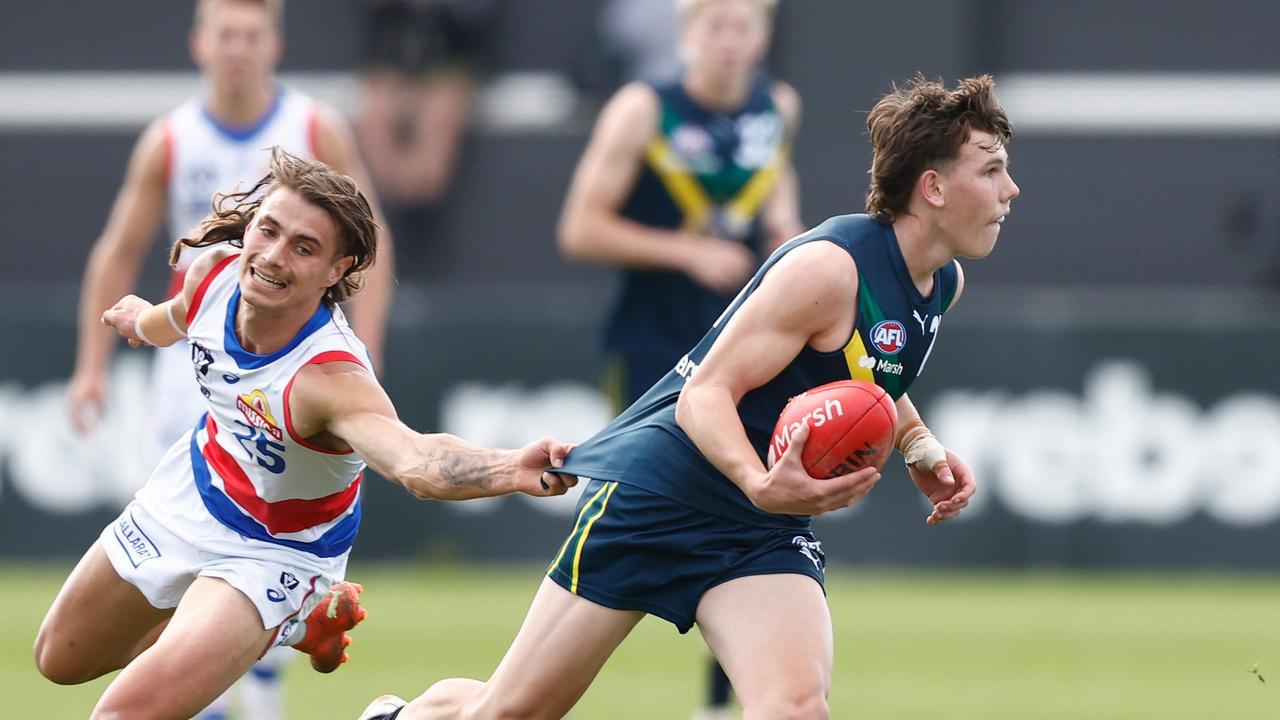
[
  {"x": 239, "y": 540},
  {"x": 422, "y": 59},
  {"x": 682, "y": 519},
  {"x": 685, "y": 185},
  {"x": 212, "y": 143}
]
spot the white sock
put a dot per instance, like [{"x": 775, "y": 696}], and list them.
[{"x": 261, "y": 692}]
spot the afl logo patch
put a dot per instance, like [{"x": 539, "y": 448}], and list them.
[{"x": 889, "y": 336}]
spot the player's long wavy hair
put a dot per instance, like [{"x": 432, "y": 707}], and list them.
[
  {"x": 318, "y": 184},
  {"x": 921, "y": 126}
]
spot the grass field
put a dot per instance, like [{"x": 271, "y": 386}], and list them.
[{"x": 919, "y": 645}]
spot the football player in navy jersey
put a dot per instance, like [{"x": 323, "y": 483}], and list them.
[{"x": 682, "y": 519}]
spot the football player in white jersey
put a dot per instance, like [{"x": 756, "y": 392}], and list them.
[
  {"x": 240, "y": 538},
  {"x": 209, "y": 144}
]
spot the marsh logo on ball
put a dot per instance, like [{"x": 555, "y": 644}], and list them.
[{"x": 889, "y": 336}]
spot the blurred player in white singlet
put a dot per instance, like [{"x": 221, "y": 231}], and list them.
[{"x": 212, "y": 143}]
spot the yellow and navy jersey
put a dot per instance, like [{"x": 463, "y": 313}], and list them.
[
  {"x": 704, "y": 172},
  {"x": 892, "y": 338}
]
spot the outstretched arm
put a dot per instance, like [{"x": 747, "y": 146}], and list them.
[
  {"x": 142, "y": 323},
  {"x": 340, "y": 405}
]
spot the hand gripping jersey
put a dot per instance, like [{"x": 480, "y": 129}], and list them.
[
  {"x": 893, "y": 335},
  {"x": 704, "y": 172},
  {"x": 253, "y": 474}
]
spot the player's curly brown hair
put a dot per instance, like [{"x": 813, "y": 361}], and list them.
[
  {"x": 921, "y": 126},
  {"x": 317, "y": 183}
]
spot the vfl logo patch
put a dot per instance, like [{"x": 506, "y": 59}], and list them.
[
  {"x": 258, "y": 414},
  {"x": 201, "y": 358},
  {"x": 137, "y": 546},
  {"x": 288, "y": 580},
  {"x": 889, "y": 336}
]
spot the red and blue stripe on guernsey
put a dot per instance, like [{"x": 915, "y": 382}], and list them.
[
  {"x": 238, "y": 506},
  {"x": 255, "y": 474}
]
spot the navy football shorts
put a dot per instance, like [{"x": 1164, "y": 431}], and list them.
[{"x": 633, "y": 550}]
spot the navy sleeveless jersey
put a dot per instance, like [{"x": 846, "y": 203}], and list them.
[
  {"x": 704, "y": 172},
  {"x": 894, "y": 332}
]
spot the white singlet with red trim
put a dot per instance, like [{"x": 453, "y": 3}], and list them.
[
  {"x": 241, "y": 482},
  {"x": 206, "y": 156}
]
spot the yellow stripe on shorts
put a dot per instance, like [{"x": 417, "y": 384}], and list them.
[
  {"x": 577, "y": 525},
  {"x": 586, "y": 530}
]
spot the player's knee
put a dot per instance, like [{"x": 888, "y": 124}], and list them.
[
  {"x": 57, "y": 663},
  {"x": 809, "y": 705}
]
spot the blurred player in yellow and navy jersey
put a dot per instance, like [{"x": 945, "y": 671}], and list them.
[
  {"x": 685, "y": 186},
  {"x": 209, "y": 144}
]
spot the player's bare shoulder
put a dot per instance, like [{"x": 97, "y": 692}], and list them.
[
  {"x": 203, "y": 266},
  {"x": 814, "y": 287},
  {"x": 334, "y": 142},
  {"x": 632, "y": 113},
  {"x": 818, "y": 267},
  {"x": 959, "y": 283},
  {"x": 324, "y": 393},
  {"x": 151, "y": 151}
]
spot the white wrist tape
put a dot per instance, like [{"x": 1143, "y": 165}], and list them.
[
  {"x": 174, "y": 323},
  {"x": 137, "y": 330},
  {"x": 919, "y": 447}
]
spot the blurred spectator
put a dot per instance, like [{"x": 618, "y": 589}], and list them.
[{"x": 422, "y": 59}]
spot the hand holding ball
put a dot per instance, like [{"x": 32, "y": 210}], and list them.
[{"x": 852, "y": 424}]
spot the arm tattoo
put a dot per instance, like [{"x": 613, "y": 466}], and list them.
[{"x": 459, "y": 469}]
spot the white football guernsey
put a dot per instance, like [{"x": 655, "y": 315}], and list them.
[
  {"x": 251, "y": 486},
  {"x": 206, "y": 156}
]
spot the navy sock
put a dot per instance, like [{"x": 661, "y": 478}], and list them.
[{"x": 721, "y": 690}]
